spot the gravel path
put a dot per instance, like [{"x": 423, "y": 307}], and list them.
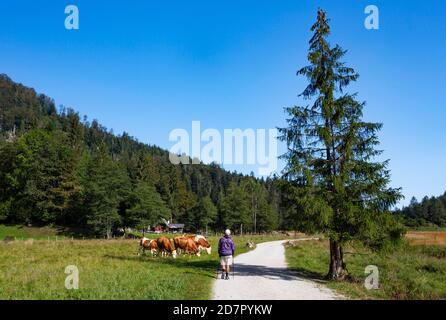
[{"x": 262, "y": 274}]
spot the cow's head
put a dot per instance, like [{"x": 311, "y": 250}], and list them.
[
  {"x": 207, "y": 249},
  {"x": 206, "y": 245}
]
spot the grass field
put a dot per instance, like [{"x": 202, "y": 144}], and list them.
[
  {"x": 409, "y": 272},
  {"x": 23, "y": 232},
  {"x": 108, "y": 269},
  {"x": 427, "y": 237}
]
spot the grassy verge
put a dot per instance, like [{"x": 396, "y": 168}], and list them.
[
  {"x": 409, "y": 272},
  {"x": 107, "y": 270}
]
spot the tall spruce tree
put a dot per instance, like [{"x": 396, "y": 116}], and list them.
[
  {"x": 338, "y": 186},
  {"x": 41, "y": 178},
  {"x": 105, "y": 187},
  {"x": 147, "y": 208},
  {"x": 203, "y": 215},
  {"x": 235, "y": 208}
]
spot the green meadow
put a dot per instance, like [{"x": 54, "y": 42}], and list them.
[
  {"x": 108, "y": 269},
  {"x": 405, "y": 272}
]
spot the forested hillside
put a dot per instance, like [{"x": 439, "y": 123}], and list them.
[
  {"x": 428, "y": 212},
  {"x": 56, "y": 168}
]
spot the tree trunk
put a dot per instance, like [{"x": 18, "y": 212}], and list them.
[
  {"x": 109, "y": 232},
  {"x": 337, "y": 270}
]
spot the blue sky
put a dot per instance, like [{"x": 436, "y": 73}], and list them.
[{"x": 152, "y": 66}]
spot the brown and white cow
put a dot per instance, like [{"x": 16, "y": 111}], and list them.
[
  {"x": 202, "y": 243},
  {"x": 148, "y": 244},
  {"x": 166, "y": 247},
  {"x": 186, "y": 245}
]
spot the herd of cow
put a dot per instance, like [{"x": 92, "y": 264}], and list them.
[{"x": 186, "y": 244}]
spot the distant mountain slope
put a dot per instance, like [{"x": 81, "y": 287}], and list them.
[
  {"x": 58, "y": 169},
  {"x": 21, "y": 108}
]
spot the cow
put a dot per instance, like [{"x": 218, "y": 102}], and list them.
[
  {"x": 176, "y": 243},
  {"x": 166, "y": 247},
  {"x": 186, "y": 245},
  {"x": 148, "y": 244},
  {"x": 202, "y": 243}
]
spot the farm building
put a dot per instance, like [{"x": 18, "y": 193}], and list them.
[{"x": 175, "y": 227}]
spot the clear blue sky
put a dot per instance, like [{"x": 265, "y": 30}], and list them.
[{"x": 147, "y": 67}]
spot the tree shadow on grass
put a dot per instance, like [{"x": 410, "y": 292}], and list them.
[
  {"x": 309, "y": 275},
  {"x": 208, "y": 267}
]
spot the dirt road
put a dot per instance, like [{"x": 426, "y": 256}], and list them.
[{"x": 262, "y": 274}]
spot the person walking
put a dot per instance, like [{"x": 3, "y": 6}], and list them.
[{"x": 226, "y": 249}]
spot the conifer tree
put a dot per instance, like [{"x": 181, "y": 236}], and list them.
[
  {"x": 235, "y": 208},
  {"x": 205, "y": 214},
  {"x": 342, "y": 190},
  {"x": 107, "y": 185},
  {"x": 147, "y": 207}
]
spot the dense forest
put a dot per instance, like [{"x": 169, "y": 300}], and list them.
[
  {"x": 428, "y": 212},
  {"x": 59, "y": 169}
]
